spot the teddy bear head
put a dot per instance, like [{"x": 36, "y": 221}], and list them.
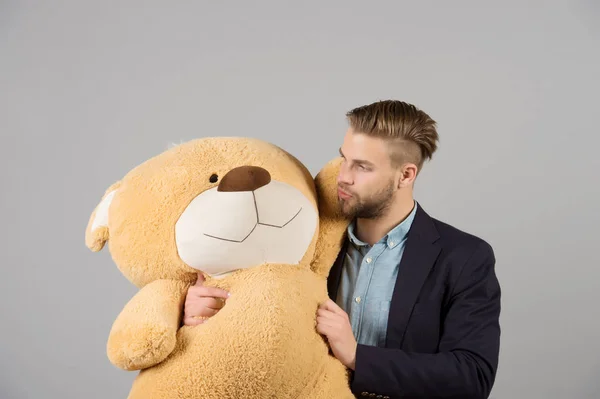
[{"x": 211, "y": 205}]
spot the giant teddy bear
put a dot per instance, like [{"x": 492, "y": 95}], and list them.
[{"x": 249, "y": 217}]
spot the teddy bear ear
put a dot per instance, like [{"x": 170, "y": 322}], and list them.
[
  {"x": 97, "y": 232},
  {"x": 332, "y": 223}
]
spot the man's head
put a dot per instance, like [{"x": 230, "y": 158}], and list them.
[{"x": 384, "y": 149}]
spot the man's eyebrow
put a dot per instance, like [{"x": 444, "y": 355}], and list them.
[{"x": 359, "y": 161}]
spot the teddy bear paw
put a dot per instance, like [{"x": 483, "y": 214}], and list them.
[{"x": 140, "y": 347}]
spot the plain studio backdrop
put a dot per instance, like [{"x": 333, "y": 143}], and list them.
[{"x": 90, "y": 90}]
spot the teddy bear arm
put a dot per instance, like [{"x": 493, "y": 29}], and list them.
[
  {"x": 332, "y": 223},
  {"x": 144, "y": 333}
]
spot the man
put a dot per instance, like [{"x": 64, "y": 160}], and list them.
[{"x": 415, "y": 302}]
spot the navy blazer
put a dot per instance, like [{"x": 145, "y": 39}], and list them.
[{"x": 443, "y": 331}]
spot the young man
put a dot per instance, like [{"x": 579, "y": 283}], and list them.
[{"x": 415, "y": 302}]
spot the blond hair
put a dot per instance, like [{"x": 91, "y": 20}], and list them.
[{"x": 411, "y": 129}]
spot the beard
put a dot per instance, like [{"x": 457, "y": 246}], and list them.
[{"x": 372, "y": 207}]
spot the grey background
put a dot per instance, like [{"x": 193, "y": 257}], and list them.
[{"x": 89, "y": 90}]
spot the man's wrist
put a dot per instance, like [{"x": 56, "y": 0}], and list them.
[{"x": 352, "y": 363}]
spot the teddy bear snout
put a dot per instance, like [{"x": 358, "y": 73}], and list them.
[{"x": 244, "y": 178}]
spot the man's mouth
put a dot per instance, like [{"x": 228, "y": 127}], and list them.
[{"x": 343, "y": 195}]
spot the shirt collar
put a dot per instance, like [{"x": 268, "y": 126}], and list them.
[{"x": 393, "y": 237}]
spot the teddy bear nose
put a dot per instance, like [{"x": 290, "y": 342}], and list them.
[{"x": 244, "y": 178}]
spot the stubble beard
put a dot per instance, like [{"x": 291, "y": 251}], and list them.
[{"x": 373, "y": 207}]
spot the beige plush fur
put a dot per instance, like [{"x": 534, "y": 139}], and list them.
[{"x": 263, "y": 343}]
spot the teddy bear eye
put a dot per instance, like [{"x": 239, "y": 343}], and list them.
[{"x": 213, "y": 178}]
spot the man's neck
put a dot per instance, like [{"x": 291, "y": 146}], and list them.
[{"x": 373, "y": 230}]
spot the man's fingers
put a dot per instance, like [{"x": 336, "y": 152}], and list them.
[
  {"x": 321, "y": 326},
  {"x": 213, "y": 303},
  {"x": 206, "y": 303},
  {"x": 324, "y": 327},
  {"x": 325, "y": 321},
  {"x": 332, "y": 306},
  {"x": 199, "y": 309},
  {"x": 195, "y": 306},
  {"x": 210, "y": 312},
  {"x": 203, "y": 312},
  {"x": 210, "y": 292},
  {"x": 214, "y": 292},
  {"x": 192, "y": 321},
  {"x": 202, "y": 302},
  {"x": 327, "y": 314},
  {"x": 200, "y": 280},
  {"x": 198, "y": 289},
  {"x": 331, "y": 315}
]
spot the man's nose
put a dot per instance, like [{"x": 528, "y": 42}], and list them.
[
  {"x": 343, "y": 175},
  {"x": 244, "y": 178}
]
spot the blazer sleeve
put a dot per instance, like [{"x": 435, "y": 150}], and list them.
[{"x": 466, "y": 363}]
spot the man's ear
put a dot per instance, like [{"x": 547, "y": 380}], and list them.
[
  {"x": 97, "y": 233},
  {"x": 332, "y": 224},
  {"x": 407, "y": 175}
]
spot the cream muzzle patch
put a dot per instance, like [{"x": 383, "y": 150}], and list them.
[{"x": 223, "y": 231}]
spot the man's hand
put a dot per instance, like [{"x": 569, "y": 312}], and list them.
[
  {"x": 202, "y": 302},
  {"x": 334, "y": 323}
]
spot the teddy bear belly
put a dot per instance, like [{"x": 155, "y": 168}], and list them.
[{"x": 263, "y": 343}]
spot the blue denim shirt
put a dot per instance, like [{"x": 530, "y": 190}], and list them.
[{"x": 368, "y": 280}]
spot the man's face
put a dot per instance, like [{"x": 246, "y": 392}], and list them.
[{"x": 366, "y": 182}]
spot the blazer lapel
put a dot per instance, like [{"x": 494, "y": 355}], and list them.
[
  {"x": 422, "y": 249},
  {"x": 335, "y": 274}
]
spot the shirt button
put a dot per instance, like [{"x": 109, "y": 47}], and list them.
[
  {"x": 368, "y": 260},
  {"x": 391, "y": 243},
  {"x": 357, "y": 299}
]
